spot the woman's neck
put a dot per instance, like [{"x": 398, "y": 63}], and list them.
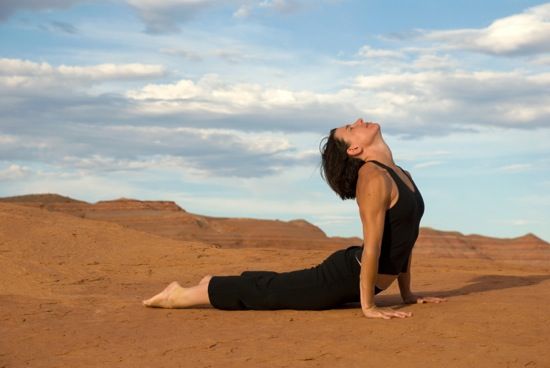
[{"x": 380, "y": 152}]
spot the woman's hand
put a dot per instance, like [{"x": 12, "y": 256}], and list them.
[
  {"x": 375, "y": 312},
  {"x": 414, "y": 299}
]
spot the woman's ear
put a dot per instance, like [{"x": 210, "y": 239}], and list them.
[{"x": 354, "y": 151}]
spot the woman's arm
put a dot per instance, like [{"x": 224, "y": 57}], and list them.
[
  {"x": 373, "y": 198},
  {"x": 404, "y": 281}
]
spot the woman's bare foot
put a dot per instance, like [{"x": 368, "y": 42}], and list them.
[
  {"x": 168, "y": 298},
  {"x": 175, "y": 296},
  {"x": 205, "y": 279}
]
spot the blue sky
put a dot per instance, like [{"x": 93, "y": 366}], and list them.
[{"x": 220, "y": 106}]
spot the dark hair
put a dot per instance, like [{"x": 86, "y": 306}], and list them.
[{"x": 339, "y": 169}]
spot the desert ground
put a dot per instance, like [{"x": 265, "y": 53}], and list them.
[{"x": 71, "y": 291}]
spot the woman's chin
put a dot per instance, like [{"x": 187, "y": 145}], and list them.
[{"x": 374, "y": 126}]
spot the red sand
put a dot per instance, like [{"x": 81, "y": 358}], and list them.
[{"x": 71, "y": 291}]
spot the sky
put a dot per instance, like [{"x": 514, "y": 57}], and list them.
[{"x": 221, "y": 106}]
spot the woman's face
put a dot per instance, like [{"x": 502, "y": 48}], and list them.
[{"x": 358, "y": 135}]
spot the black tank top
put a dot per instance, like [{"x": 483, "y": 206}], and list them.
[{"x": 401, "y": 226}]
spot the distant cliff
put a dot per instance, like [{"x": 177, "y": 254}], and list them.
[{"x": 166, "y": 218}]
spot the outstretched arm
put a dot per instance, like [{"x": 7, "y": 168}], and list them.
[
  {"x": 404, "y": 281},
  {"x": 373, "y": 198}
]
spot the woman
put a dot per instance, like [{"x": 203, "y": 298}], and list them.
[{"x": 356, "y": 163}]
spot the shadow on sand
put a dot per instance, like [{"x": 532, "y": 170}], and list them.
[
  {"x": 484, "y": 283},
  {"x": 478, "y": 284}
]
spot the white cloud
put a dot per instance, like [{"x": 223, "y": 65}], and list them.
[
  {"x": 514, "y": 168},
  {"x": 111, "y": 71},
  {"x": 248, "y": 7},
  {"x": 282, "y": 6},
  {"x": 98, "y": 162},
  {"x": 513, "y": 98},
  {"x": 369, "y": 52},
  {"x": 423, "y": 165},
  {"x": 519, "y": 222},
  {"x": 243, "y": 11},
  {"x": 24, "y": 70},
  {"x": 118, "y": 148},
  {"x": 14, "y": 172},
  {"x": 36, "y": 84},
  {"x": 181, "y": 90},
  {"x": 431, "y": 61},
  {"x": 252, "y": 142},
  {"x": 520, "y": 34},
  {"x": 212, "y": 94},
  {"x": 7, "y": 139}
]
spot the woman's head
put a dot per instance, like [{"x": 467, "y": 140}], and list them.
[{"x": 343, "y": 153}]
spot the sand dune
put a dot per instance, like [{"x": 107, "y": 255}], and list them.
[{"x": 71, "y": 289}]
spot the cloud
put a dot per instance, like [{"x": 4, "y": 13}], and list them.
[
  {"x": 159, "y": 16},
  {"x": 211, "y": 94},
  {"x": 431, "y": 61},
  {"x": 20, "y": 80},
  {"x": 519, "y": 222},
  {"x": 163, "y": 16},
  {"x": 369, "y": 52},
  {"x": 293, "y": 6},
  {"x": 14, "y": 172},
  {"x": 282, "y": 6},
  {"x": 9, "y": 7},
  {"x": 412, "y": 103},
  {"x": 7, "y": 139},
  {"x": 106, "y": 148},
  {"x": 515, "y": 168},
  {"x": 526, "y": 33},
  {"x": 285, "y": 7},
  {"x": 25, "y": 68},
  {"x": 243, "y": 11},
  {"x": 436, "y": 100},
  {"x": 423, "y": 165},
  {"x": 186, "y": 54},
  {"x": 166, "y": 16},
  {"x": 111, "y": 71},
  {"x": 230, "y": 53},
  {"x": 407, "y": 58},
  {"x": 79, "y": 116}
]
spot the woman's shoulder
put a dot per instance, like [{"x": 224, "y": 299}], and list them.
[
  {"x": 373, "y": 177},
  {"x": 371, "y": 171}
]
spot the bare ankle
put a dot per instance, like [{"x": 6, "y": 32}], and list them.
[{"x": 205, "y": 279}]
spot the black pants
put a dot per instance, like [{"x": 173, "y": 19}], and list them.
[{"x": 332, "y": 283}]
